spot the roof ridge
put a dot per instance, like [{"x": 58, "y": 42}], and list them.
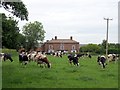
[{"x": 62, "y": 40}]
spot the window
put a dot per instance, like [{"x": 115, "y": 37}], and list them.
[
  {"x": 50, "y": 47},
  {"x": 61, "y": 47},
  {"x": 73, "y": 47}
]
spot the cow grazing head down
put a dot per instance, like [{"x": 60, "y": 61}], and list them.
[
  {"x": 73, "y": 59},
  {"x": 5, "y": 56},
  {"x": 42, "y": 59},
  {"x": 102, "y": 61},
  {"x": 23, "y": 59},
  {"x": 112, "y": 57}
]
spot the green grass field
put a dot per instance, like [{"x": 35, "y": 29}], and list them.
[{"x": 61, "y": 75}]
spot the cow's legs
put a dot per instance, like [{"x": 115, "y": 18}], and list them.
[
  {"x": 10, "y": 59},
  {"x": 4, "y": 58},
  {"x": 103, "y": 64}
]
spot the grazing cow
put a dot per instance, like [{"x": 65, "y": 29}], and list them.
[
  {"x": 6, "y": 56},
  {"x": 73, "y": 59},
  {"x": 31, "y": 56},
  {"x": 112, "y": 57},
  {"x": 58, "y": 54},
  {"x": 42, "y": 59},
  {"x": 82, "y": 55},
  {"x": 102, "y": 61},
  {"x": 23, "y": 58}
]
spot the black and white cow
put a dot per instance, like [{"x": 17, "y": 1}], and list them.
[
  {"x": 102, "y": 61},
  {"x": 73, "y": 59},
  {"x": 58, "y": 54},
  {"x": 31, "y": 56},
  {"x": 113, "y": 57},
  {"x": 84, "y": 55},
  {"x": 23, "y": 58},
  {"x": 6, "y": 56}
]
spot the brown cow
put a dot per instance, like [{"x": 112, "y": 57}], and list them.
[{"x": 42, "y": 59}]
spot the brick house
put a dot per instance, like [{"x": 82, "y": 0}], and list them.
[{"x": 56, "y": 44}]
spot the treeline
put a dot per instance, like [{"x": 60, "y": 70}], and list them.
[{"x": 101, "y": 48}]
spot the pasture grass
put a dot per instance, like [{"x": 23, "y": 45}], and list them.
[{"x": 61, "y": 75}]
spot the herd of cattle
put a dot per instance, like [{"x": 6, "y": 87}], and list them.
[{"x": 42, "y": 60}]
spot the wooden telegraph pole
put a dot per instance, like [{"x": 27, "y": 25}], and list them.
[{"x": 107, "y": 36}]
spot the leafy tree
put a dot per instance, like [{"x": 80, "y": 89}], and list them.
[
  {"x": 20, "y": 41},
  {"x": 104, "y": 44},
  {"x": 11, "y": 38},
  {"x": 102, "y": 49},
  {"x": 113, "y": 48},
  {"x": 16, "y": 8},
  {"x": 83, "y": 49},
  {"x": 10, "y": 31},
  {"x": 94, "y": 48},
  {"x": 33, "y": 32}
]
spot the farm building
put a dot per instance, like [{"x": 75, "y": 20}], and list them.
[{"x": 56, "y": 44}]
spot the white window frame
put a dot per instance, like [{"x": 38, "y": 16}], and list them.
[
  {"x": 73, "y": 47},
  {"x": 50, "y": 47},
  {"x": 61, "y": 47}
]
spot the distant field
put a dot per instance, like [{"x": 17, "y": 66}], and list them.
[{"x": 62, "y": 75}]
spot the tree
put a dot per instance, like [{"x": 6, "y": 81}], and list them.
[
  {"x": 104, "y": 44},
  {"x": 83, "y": 49},
  {"x": 113, "y": 48},
  {"x": 33, "y": 32},
  {"x": 10, "y": 31},
  {"x": 94, "y": 48},
  {"x": 16, "y": 8},
  {"x": 20, "y": 41}
]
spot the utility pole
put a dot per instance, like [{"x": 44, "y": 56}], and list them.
[{"x": 107, "y": 36}]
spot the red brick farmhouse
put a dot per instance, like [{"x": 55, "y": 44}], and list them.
[{"x": 56, "y": 44}]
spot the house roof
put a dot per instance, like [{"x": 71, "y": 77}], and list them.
[{"x": 62, "y": 41}]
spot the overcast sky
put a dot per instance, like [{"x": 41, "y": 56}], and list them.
[{"x": 82, "y": 19}]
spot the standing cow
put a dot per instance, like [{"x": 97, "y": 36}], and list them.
[
  {"x": 23, "y": 58},
  {"x": 73, "y": 59},
  {"x": 102, "y": 61}
]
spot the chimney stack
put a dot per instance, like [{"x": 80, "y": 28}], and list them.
[
  {"x": 55, "y": 37},
  {"x": 71, "y": 38}
]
